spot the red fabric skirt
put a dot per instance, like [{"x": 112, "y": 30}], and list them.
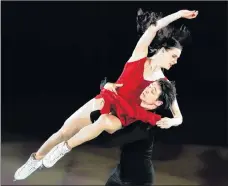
[{"x": 117, "y": 105}]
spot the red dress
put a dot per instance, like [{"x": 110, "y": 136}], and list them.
[{"x": 127, "y": 103}]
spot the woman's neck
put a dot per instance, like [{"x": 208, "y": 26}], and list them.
[{"x": 154, "y": 64}]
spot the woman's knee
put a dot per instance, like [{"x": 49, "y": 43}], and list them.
[
  {"x": 103, "y": 117},
  {"x": 78, "y": 120},
  {"x": 103, "y": 121},
  {"x": 109, "y": 123},
  {"x": 62, "y": 135},
  {"x": 111, "y": 130},
  {"x": 58, "y": 136}
]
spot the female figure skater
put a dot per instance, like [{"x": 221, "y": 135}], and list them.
[{"x": 126, "y": 107}]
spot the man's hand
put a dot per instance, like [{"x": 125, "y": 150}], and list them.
[
  {"x": 112, "y": 87},
  {"x": 165, "y": 123}
]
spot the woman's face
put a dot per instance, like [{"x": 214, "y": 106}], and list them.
[{"x": 169, "y": 57}]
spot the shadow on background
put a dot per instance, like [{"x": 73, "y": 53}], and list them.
[
  {"x": 164, "y": 152},
  {"x": 215, "y": 168}
]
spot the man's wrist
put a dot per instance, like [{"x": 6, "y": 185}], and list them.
[{"x": 103, "y": 82}]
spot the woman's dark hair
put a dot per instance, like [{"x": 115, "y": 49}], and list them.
[{"x": 166, "y": 37}]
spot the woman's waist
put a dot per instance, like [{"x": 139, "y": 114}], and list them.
[
  {"x": 120, "y": 96},
  {"x": 130, "y": 95}
]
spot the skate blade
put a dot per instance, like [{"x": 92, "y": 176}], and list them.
[{"x": 41, "y": 167}]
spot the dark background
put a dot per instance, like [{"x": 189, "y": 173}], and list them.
[{"x": 54, "y": 55}]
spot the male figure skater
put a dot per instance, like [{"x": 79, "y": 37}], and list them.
[{"x": 135, "y": 166}]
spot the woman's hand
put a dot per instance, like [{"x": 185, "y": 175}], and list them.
[
  {"x": 112, "y": 87},
  {"x": 166, "y": 123},
  {"x": 189, "y": 14}
]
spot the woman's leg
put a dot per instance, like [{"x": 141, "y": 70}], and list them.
[
  {"x": 106, "y": 122},
  {"x": 71, "y": 126}
]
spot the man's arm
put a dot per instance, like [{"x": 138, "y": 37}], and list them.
[{"x": 132, "y": 133}]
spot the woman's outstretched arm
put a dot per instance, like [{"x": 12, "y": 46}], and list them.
[{"x": 141, "y": 49}]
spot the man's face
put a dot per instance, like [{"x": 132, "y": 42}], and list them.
[{"x": 151, "y": 94}]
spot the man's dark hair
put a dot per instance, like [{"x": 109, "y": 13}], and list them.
[{"x": 168, "y": 92}]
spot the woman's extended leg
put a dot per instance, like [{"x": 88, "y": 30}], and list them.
[
  {"x": 71, "y": 126},
  {"x": 106, "y": 122}
]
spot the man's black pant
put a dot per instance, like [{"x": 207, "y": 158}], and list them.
[
  {"x": 116, "y": 180},
  {"x": 134, "y": 167}
]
